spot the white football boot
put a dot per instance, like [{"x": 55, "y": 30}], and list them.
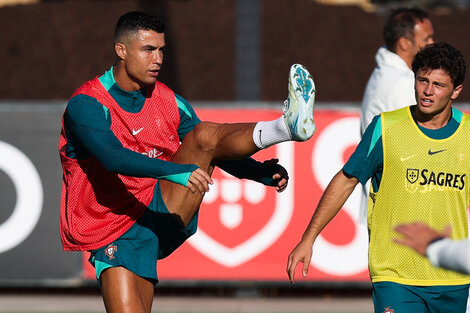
[{"x": 298, "y": 108}]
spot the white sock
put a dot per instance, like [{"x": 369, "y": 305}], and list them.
[{"x": 270, "y": 133}]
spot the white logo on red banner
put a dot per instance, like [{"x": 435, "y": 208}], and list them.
[
  {"x": 231, "y": 190},
  {"x": 29, "y": 197},
  {"x": 351, "y": 258}
]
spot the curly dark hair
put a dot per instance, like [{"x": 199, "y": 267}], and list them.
[
  {"x": 135, "y": 21},
  {"x": 401, "y": 23},
  {"x": 441, "y": 56}
]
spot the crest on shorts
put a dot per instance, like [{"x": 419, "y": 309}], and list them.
[
  {"x": 388, "y": 310},
  {"x": 412, "y": 175},
  {"x": 110, "y": 250}
]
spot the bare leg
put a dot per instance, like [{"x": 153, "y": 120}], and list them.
[
  {"x": 206, "y": 143},
  {"x": 125, "y": 292}
]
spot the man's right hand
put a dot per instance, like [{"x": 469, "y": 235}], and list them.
[
  {"x": 199, "y": 181},
  {"x": 301, "y": 253}
]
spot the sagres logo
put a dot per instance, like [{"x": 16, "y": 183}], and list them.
[
  {"x": 428, "y": 180},
  {"x": 233, "y": 228},
  {"x": 412, "y": 175}
]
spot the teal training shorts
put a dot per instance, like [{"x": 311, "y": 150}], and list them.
[
  {"x": 397, "y": 298},
  {"x": 155, "y": 235}
]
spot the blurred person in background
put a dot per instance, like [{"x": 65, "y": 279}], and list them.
[
  {"x": 391, "y": 84},
  {"x": 137, "y": 162},
  {"x": 420, "y": 171}
]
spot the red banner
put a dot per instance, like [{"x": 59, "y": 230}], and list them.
[{"x": 246, "y": 230}]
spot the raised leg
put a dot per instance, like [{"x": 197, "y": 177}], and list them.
[
  {"x": 206, "y": 143},
  {"x": 210, "y": 141}
]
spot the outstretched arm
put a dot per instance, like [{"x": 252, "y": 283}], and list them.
[
  {"x": 335, "y": 195},
  {"x": 88, "y": 132},
  {"x": 437, "y": 246}
]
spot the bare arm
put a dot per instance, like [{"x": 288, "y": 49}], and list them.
[{"x": 333, "y": 199}]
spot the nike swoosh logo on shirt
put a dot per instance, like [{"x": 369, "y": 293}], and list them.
[
  {"x": 406, "y": 158},
  {"x": 135, "y": 132},
  {"x": 434, "y": 152}
]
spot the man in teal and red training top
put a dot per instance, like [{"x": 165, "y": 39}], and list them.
[{"x": 137, "y": 162}]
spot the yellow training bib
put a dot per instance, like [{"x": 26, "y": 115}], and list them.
[{"x": 424, "y": 180}]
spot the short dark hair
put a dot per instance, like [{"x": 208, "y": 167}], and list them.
[
  {"x": 441, "y": 56},
  {"x": 135, "y": 21},
  {"x": 401, "y": 23}
]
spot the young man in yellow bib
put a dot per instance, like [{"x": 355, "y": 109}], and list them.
[{"x": 419, "y": 160}]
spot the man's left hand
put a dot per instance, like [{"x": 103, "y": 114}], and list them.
[{"x": 281, "y": 177}]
